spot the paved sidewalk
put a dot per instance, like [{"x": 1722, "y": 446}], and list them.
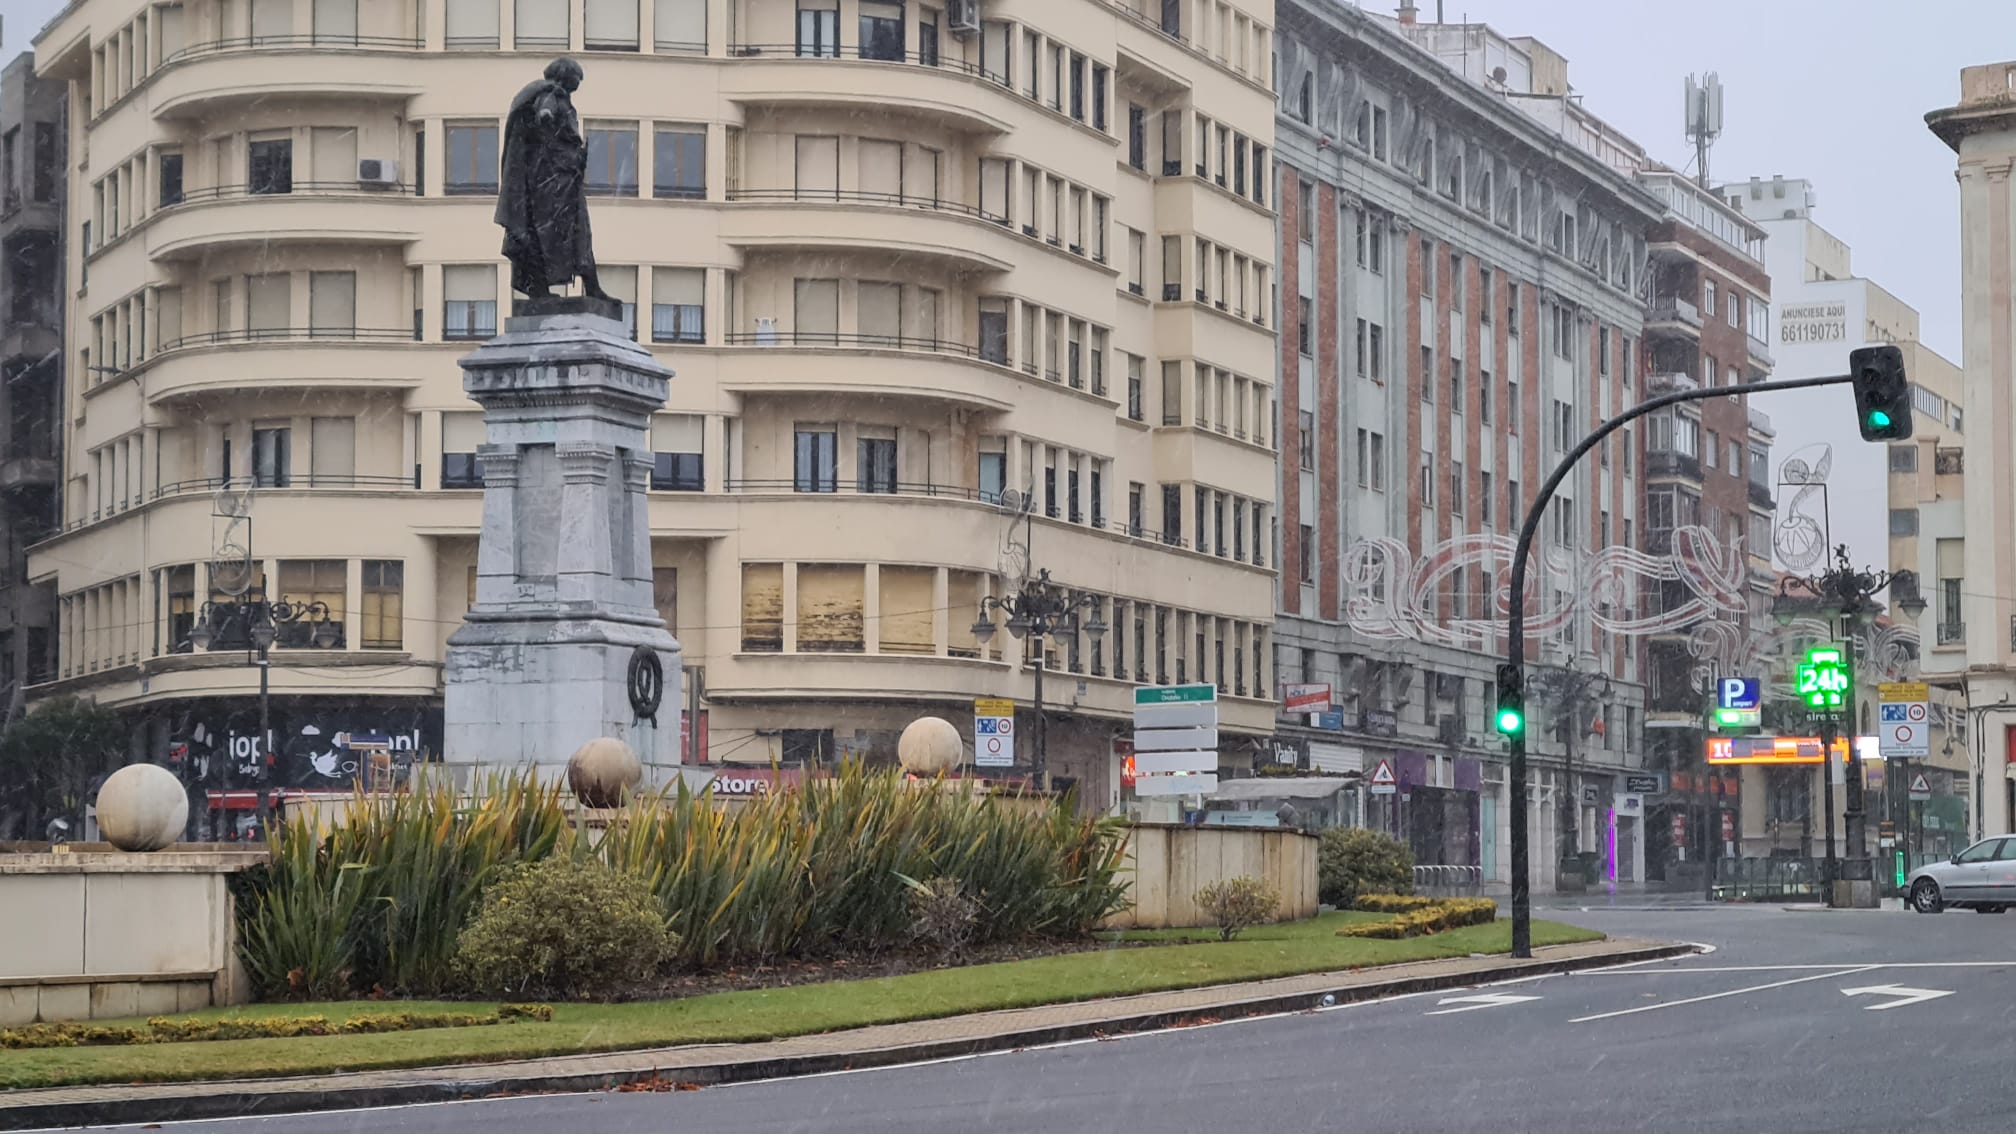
[{"x": 881, "y": 1045}]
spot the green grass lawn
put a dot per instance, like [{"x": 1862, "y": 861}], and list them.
[{"x": 728, "y": 1017}]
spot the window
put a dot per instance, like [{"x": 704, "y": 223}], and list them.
[
  {"x": 612, "y": 161},
  {"x": 678, "y": 311},
  {"x": 881, "y": 30},
  {"x": 313, "y": 581},
  {"x": 1713, "y": 450},
  {"x": 815, "y": 466},
  {"x": 1455, "y": 385},
  {"x": 469, "y": 301},
  {"x": 762, "y": 607},
  {"x": 1077, "y": 86},
  {"x": 1305, "y": 210},
  {"x": 1903, "y": 521},
  {"x": 1172, "y": 393},
  {"x": 332, "y": 450},
  {"x": 269, "y": 300},
  {"x": 1098, "y": 96},
  {"x": 1307, "y": 567},
  {"x": 819, "y": 28},
  {"x": 1306, "y": 435},
  {"x": 1427, "y": 374},
  {"x": 1379, "y": 132},
  {"x": 1378, "y": 461},
  {"x": 875, "y": 460},
  {"x": 1484, "y": 497},
  {"x": 383, "y": 618},
  {"x": 542, "y": 24},
  {"x": 1172, "y": 514},
  {"x": 1305, "y": 325},
  {"x": 169, "y": 174},
  {"x": 462, "y": 432},
  {"x": 272, "y": 456},
  {"x": 994, "y": 330},
  {"x": 1903, "y": 458},
  {"x": 1484, "y": 397},
  {"x": 677, "y": 461},
  {"x": 679, "y": 26},
  {"x": 332, "y": 304},
  {"x": 1564, "y": 426},
  {"x": 927, "y": 36},
  {"x": 1137, "y": 136},
  {"x": 1708, "y": 298},
  {"x": 816, "y": 311},
  {"x": 1427, "y": 480},
  {"x": 472, "y": 160},
  {"x": 1455, "y": 281},
  {"x": 1603, "y": 351},
  {"x": 471, "y": 25},
  {"x": 1134, "y": 383},
  {"x": 609, "y": 25},
  {"x": 992, "y": 473},
  {"x": 1455, "y": 488},
  {"x": 269, "y": 166},
  {"x": 679, "y": 163}
]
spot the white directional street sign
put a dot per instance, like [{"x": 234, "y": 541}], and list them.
[
  {"x": 1906, "y": 995},
  {"x": 1187, "y": 783},
  {"x": 1165, "y": 763},
  {"x": 993, "y": 732},
  {"x": 1175, "y": 740},
  {"x": 1481, "y": 1000},
  {"x": 1169, "y": 739},
  {"x": 1904, "y": 729}
]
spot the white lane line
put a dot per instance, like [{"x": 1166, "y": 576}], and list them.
[
  {"x": 1624, "y": 970},
  {"x": 1909, "y": 995},
  {"x": 1481, "y": 1000},
  {"x": 1719, "y": 995}
]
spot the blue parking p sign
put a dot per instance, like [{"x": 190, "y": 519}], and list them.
[{"x": 1737, "y": 693}]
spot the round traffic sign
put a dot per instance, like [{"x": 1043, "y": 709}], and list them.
[
  {"x": 993, "y": 746},
  {"x": 1902, "y": 734},
  {"x": 1917, "y": 712},
  {"x": 1006, "y": 726}
]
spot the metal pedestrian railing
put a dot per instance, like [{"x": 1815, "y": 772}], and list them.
[
  {"x": 1767, "y": 879},
  {"x": 1449, "y": 881}
]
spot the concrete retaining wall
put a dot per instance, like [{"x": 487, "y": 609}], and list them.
[
  {"x": 100, "y": 935},
  {"x": 1167, "y": 865}
]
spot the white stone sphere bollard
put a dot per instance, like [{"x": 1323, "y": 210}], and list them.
[
  {"x": 142, "y": 807},
  {"x": 602, "y": 771},
  {"x": 929, "y": 746}
]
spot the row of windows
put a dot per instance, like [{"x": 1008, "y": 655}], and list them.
[
  {"x": 1146, "y": 642},
  {"x": 1234, "y": 162}
]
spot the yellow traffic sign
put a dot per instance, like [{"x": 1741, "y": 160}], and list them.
[{"x": 1904, "y": 691}]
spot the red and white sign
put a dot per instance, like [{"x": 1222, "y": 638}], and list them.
[
  {"x": 1383, "y": 781},
  {"x": 1728, "y": 826},
  {"x": 1305, "y": 697},
  {"x": 1679, "y": 830}
]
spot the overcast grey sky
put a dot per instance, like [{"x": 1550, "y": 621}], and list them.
[{"x": 1832, "y": 90}]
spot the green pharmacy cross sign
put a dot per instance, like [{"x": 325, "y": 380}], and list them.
[{"x": 1823, "y": 678}]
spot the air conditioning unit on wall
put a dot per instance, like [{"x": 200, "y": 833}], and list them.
[
  {"x": 377, "y": 171},
  {"x": 963, "y": 17}
]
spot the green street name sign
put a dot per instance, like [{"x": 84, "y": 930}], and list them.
[{"x": 1175, "y": 694}]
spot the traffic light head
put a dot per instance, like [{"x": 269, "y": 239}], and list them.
[
  {"x": 1882, "y": 393},
  {"x": 1511, "y": 700}
]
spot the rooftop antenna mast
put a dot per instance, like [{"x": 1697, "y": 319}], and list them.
[{"x": 1704, "y": 119}]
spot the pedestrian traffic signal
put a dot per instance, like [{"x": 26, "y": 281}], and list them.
[
  {"x": 1823, "y": 678},
  {"x": 1511, "y": 700},
  {"x": 1882, "y": 393}
]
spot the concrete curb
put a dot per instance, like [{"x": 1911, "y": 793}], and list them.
[{"x": 246, "y": 1098}]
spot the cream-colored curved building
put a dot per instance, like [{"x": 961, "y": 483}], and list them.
[{"x": 902, "y": 257}]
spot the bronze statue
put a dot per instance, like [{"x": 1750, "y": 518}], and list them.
[{"x": 542, "y": 199}]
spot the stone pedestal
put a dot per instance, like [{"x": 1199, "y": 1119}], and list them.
[{"x": 543, "y": 663}]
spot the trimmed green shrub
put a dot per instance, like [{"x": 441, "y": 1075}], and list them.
[
  {"x": 1449, "y": 913},
  {"x": 1392, "y": 903},
  {"x": 1351, "y": 861},
  {"x": 565, "y": 927},
  {"x": 165, "y": 1029},
  {"x": 1235, "y": 903}
]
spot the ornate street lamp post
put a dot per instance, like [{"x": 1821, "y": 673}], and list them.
[
  {"x": 1851, "y": 594},
  {"x": 1037, "y": 611},
  {"x": 258, "y": 621}
]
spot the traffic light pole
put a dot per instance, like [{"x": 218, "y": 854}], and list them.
[{"x": 1515, "y": 621}]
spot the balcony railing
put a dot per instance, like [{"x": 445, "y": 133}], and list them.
[
  {"x": 353, "y": 481},
  {"x": 929, "y": 345},
  {"x": 290, "y": 188},
  {"x": 1669, "y": 463},
  {"x": 289, "y": 334},
  {"x": 278, "y": 42},
  {"x": 917, "y": 201},
  {"x": 1673, "y": 309}
]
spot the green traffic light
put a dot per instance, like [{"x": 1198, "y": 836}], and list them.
[
  {"x": 1879, "y": 419},
  {"x": 1509, "y": 721}
]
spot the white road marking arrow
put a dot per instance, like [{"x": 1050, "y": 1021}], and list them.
[
  {"x": 1909, "y": 995},
  {"x": 1481, "y": 1000}
]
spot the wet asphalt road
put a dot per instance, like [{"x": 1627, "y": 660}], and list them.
[{"x": 1796, "y": 1021}]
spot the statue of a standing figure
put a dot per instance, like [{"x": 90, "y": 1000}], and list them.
[{"x": 542, "y": 198}]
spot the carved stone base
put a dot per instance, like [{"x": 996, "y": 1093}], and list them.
[{"x": 566, "y": 305}]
